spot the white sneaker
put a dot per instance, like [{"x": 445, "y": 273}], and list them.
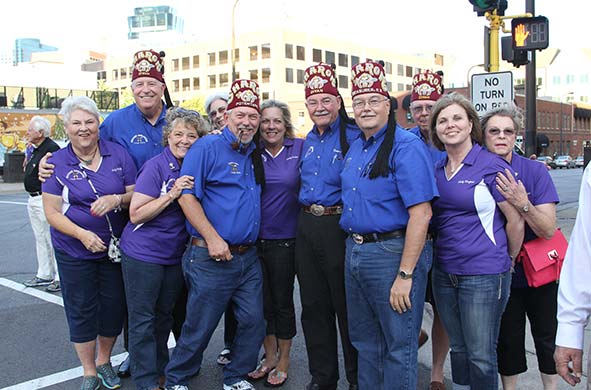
[
  {"x": 242, "y": 385},
  {"x": 177, "y": 387}
]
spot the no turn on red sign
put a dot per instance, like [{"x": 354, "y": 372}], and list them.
[{"x": 491, "y": 90}]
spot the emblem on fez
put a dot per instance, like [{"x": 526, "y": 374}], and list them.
[
  {"x": 317, "y": 82},
  {"x": 247, "y": 96},
  {"x": 144, "y": 66},
  {"x": 424, "y": 89},
  {"x": 365, "y": 80}
]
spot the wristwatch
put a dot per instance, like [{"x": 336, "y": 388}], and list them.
[
  {"x": 525, "y": 208},
  {"x": 405, "y": 275}
]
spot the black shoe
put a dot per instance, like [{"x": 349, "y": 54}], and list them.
[
  {"x": 316, "y": 386},
  {"x": 124, "y": 368}
]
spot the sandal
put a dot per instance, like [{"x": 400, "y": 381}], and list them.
[
  {"x": 261, "y": 371},
  {"x": 224, "y": 357},
  {"x": 276, "y": 374}
]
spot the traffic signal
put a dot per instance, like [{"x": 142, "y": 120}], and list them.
[
  {"x": 530, "y": 33},
  {"x": 483, "y": 6},
  {"x": 515, "y": 56}
]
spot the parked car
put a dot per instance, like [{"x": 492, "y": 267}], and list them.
[
  {"x": 548, "y": 161},
  {"x": 565, "y": 162},
  {"x": 579, "y": 161}
]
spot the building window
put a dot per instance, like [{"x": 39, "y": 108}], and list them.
[
  {"x": 196, "y": 83},
  {"x": 123, "y": 73},
  {"x": 329, "y": 57},
  {"x": 186, "y": 85},
  {"x": 223, "y": 56},
  {"x": 584, "y": 79},
  {"x": 354, "y": 60},
  {"x": 400, "y": 71},
  {"x": 265, "y": 95},
  {"x": 343, "y": 59},
  {"x": 301, "y": 53},
  {"x": 175, "y": 85},
  {"x": 300, "y": 76},
  {"x": 408, "y": 87},
  {"x": 266, "y": 50},
  {"x": 570, "y": 78},
  {"x": 388, "y": 86},
  {"x": 288, "y": 50},
  {"x": 409, "y": 71},
  {"x": 288, "y": 75},
  {"x": 115, "y": 74},
  {"x": 316, "y": 55},
  {"x": 254, "y": 75},
  {"x": 211, "y": 79},
  {"x": 185, "y": 63},
  {"x": 196, "y": 61},
  {"x": 236, "y": 55},
  {"x": 175, "y": 64},
  {"x": 254, "y": 53},
  {"x": 388, "y": 68},
  {"x": 223, "y": 80},
  {"x": 343, "y": 82},
  {"x": 266, "y": 74},
  {"x": 399, "y": 87},
  {"x": 211, "y": 57}
]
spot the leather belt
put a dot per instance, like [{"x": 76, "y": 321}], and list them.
[
  {"x": 36, "y": 193},
  {"x": 319, "y": 210},
  {"x": 377, "y": 237},
  {"x": 234, "y": 249}
]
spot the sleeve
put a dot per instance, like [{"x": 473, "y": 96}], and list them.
[
  {"x": 149, "y": 180},
  {"x": 545, "y": 190},
  {"x": 52, "y": 185},
  {"x": 574, "y": 291},
  {"x": 496, "y": 165},
  {"x": 106, "y": 130},
  {"x": 413, "y": 170},
  {"x": 195, "y": 164}
]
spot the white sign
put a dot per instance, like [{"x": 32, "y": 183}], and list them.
[{"x": 491, "y": 90}]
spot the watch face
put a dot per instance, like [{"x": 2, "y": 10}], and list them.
[
  {"x": 404, "y": 275},
  {"x": 525, "y": 208}
]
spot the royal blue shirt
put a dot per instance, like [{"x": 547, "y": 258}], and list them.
[
  {"x": 155, "y": 179},
  {"x": 380, "y": 205},
  {"x": 435, "y": 153},
  {"x": 129, "y": 128},
  {"x": 321, "y": 165},
  {"x": 226, "y": 187}
]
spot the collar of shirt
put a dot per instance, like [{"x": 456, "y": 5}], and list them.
[
  {"x": 171, "y": 159},
  {"x": 470, "y": 158},
  {"x": 334, "y": 126},
  {"x": 230, "y": 138},
  {"x": 161, "y": 117},
  {"x": 374, "y": 138}
]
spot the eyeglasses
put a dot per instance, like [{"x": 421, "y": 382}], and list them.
[
  {"x": 187, "y": 112},
  {"x": 324, "y": 102},
  {"x": 359, "y": 104},
  {"x": 220, "y": 111},
  {"x": 419, "y": 109},
  {"x": 507, "y": 132}
]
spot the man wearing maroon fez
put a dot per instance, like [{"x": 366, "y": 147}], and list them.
[{"x": 320, "y": 243}]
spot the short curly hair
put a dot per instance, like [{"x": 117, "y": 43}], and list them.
[{"x": 184, "y": 116}]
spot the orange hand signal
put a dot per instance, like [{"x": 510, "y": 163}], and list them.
[{"x": 521, "y": 35}]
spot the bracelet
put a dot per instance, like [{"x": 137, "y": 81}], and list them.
[{"x": 120, "y": 199}]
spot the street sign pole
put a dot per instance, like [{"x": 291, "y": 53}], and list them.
[{"x": 530, "y": 95}]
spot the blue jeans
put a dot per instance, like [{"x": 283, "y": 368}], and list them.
[
  {"x": 151, "y": 291},
  {"x": 212, "y": 285},
  {"x": 387, "y": 342},
  {"x": 471, "y": 308}
]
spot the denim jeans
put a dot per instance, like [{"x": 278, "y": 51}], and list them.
[
  {"x": 212, "y": 285},
  {"x": 471, "y": 308},
  {"x": 151, "y": 291},
  {"x": 387, "y": 342}
]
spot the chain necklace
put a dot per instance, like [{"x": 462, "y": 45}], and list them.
[{"x": 89, "y": 161}]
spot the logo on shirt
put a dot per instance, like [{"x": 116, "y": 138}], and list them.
[
  {"x": 292, "y": 158},
  {"x": 466, "y": 182},
  {"x": 117, "y": 169},
  {"x": 74, "y": 175},
  {"x": 139, "y": 139},
  {"x": 234, "y": 168},
  {"x": 337, "y": 155},
  {"x": 309, "y": 151}
]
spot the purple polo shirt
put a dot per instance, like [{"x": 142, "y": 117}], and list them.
[
  {"x": 279, "y": 199},
  {"x": 471, "y": 238},
  {"x": 115, "y": 171},
  {"x": 540, "y": 190},
  {"x": 155, "y": 179}
]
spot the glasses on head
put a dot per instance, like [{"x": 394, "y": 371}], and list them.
[
  {"x": 185, "y": 111},
  {"x": 507, "y": 132},
  {"x": 220, "y": 111},
  {"x": 323, "y": 102},
  {"x": 419, "y": 109},
  {"x": 375, "y": 101}
]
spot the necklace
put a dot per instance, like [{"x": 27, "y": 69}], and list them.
[
  {"x": 453, "y": 170},
  {"x": 89, "y": 161}
]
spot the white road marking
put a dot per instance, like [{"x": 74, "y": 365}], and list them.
[{"x": 63, "y": 376}]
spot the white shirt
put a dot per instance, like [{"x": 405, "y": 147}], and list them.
[{"x": 574, "y": 292}]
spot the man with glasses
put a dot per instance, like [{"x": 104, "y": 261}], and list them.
[
  {"x": 320, "y": 243},
  {"x": 387, "y": 187},
  {"x": 215, "y": 106}
]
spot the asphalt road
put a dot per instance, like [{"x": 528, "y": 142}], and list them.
[{"x": 35, "y": 349}]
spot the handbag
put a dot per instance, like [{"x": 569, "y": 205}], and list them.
[{"x": 542, "y": 259}]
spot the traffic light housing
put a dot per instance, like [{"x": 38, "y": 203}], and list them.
[
  {"x": 483, "y": 6},
  {"x": 530, "y": 33},
  {"x": 515, "y": 56}
]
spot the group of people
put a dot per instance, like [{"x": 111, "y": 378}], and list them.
[{"x": 373, "y": 220}]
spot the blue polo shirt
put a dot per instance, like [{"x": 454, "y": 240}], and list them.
[
  {"x": 435, "y": 153},
  {"x": 115, "y": 171},
  {"x": 380, "y": 205},
  {"x": 540, "y": 190},
  {"x": 471, "y": 238},
  {"x": 322, "y": 162},
  {"x": 226, "y": 187},
  {"x": 279, "y": 200},
  {"x": 155, "y": 179},
  {"x": 129, "y": 128}
]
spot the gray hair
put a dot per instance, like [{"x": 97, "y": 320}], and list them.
[
  {"x": 186, "y": 117},
  {"x": 41, "y": 124},
  {"x": 74, "y": 103},
  {"x": 213, "y": 97},
  {"x": 509, "y": 111},
  {"x": 285, "y": 114}
]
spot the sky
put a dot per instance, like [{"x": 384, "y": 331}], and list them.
[{"x": 448, "y": 27}]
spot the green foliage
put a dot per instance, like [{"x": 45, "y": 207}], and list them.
[
  {"x": 196, "y": 103},
  {"x": 126, "y": 98}
]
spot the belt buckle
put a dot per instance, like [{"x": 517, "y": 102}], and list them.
[
  {"x": 338, "y": 210},
  {"x": 357, "y": 238},
  {"x": 317, "y": 210}
]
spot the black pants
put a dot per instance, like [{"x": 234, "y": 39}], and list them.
[
  {"x": 539, "y": 304},
  {"x": 320, "y": 257}
]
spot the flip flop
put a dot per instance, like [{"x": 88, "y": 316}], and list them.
[
  {"x": 261, "y": 371},
  {"x": 282, "y": 375}
]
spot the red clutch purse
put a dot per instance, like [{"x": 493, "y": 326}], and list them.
[{"x": 542, "y": 259}]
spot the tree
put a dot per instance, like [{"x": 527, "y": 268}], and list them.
[{"x": 196, "y": 103}]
